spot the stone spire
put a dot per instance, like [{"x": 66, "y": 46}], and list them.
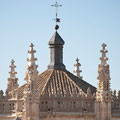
[
  {"x": 31, "y": 67},
  {"x": 31, "y": 94},
  {"x": 103, "y": 94},
  {"x": 103, "y": 58},
  {"x": 12, "y": 71},
  {"x": 56, "y": 52},
  {"x": 103, "y": 71},
  {"x": 31, "y": 60},
  {"x": 77, "y": 69},
  {"x": 12, "y": 81}
]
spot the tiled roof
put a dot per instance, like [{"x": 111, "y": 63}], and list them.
[
  {"x": 81, "y": 83},
  {"x": 19, "y": 91},
  {"x": 59, "y": 83},
  {"x": 54, "y": 82}
]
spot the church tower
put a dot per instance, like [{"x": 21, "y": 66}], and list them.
[{"x": 103, "y": 94}]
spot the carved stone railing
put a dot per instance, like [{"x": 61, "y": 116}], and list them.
[
  {"x": 67, "y": 104},
  {"x": 8, "y": 105}
]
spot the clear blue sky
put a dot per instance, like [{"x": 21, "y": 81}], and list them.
[{"x": 85, "y": 25}]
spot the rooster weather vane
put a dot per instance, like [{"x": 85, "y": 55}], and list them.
[{"x": 56, "y": 19}]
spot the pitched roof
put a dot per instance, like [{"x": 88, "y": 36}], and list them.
[
  {"x": 56, "y": 39},
  {"x": 59, "y": 83},
  {"x": 19, "y": 91},
  {"x": 81, "y": 83},
  {"x": 55, "y": 82}
]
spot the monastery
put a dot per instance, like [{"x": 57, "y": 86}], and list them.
[{"x": 56, "y": 93}]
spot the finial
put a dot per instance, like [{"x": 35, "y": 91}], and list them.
[
  {"x": 31, "y": 67},
  {"x": 12, "y": 72},
  {"x": 103, "y": 58},
  {"x": 77, "y": 60},
  {"x": 77, "y": 70},
  {"x": 56, "y": 19},
  {"x": 31, "y": 60},
  {"x": 56, "y": 27}
]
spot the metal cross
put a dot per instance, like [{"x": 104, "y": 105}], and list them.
[{"x": 57, "y": 5}]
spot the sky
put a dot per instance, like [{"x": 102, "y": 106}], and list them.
[{"x": 85, "y": 25}]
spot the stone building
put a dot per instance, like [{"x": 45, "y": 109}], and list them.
[{"x": 56, "y": 93}]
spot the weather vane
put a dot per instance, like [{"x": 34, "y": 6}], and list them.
[{"x": 56, "y": 19}]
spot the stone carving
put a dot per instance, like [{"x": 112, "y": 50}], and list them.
[
  {"x": 103, "y": 94},
  {"x": 58, "y": 94},
  {"x": 12, "y": 81},
  {"x": 77, "y": 70}
]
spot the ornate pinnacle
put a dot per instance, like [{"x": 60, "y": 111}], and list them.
[
  {"x": 32, "y": 67},
  {"x": 31, "y": 60},
  {"x": 77, "y": 70},
  {"x": 12, "y": 72},
  {"x": 12, "y": 80},
  {"x": 103, "y": 58}
]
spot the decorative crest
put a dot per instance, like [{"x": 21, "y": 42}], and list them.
[
  {"x": 103, "y": 58},
  {"x": 56, "y": 19}
]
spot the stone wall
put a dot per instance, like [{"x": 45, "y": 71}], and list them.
[
  {"x": 67, "y": 116},
  {"x": 66, "y": 104}
]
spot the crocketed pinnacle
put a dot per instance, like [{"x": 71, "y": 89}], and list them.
[
  {"x": 12, "y": 80},
  {"x": 103, "y": 58},
  {"x": 31, "y": 60},
  {"x": 31, "y": 67},
  {"x": 103, "y": 93},
  {"x": 77, "y": 69},
  {"x": 103, "y": 71},
  {"x": 12, "y": 71}
]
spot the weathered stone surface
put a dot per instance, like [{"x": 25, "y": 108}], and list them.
[{"x": 57, "y": 94}]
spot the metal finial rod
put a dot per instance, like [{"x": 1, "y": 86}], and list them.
[
  {"x": 56, "y": 19},
  {"x": 56, "y": 5}
]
